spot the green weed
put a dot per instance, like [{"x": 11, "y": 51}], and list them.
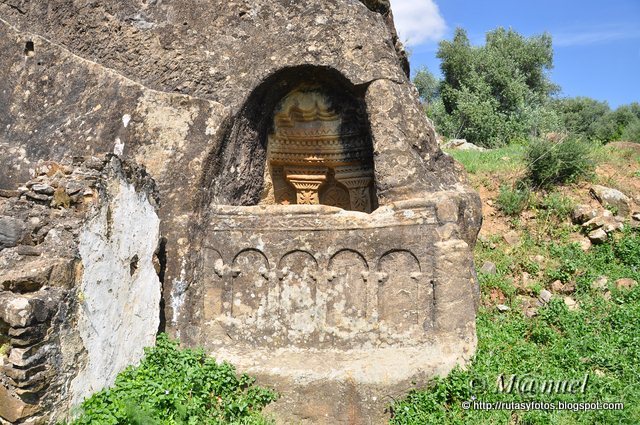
[
  {"x": 172, "y": 386},
  {"x": 513, "y": 200},
  {"x": 599, "y": 340}
]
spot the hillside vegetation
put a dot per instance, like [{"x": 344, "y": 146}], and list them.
[
  {"x": 500, "y": 93},
  {"x": 558, "y": 263}
]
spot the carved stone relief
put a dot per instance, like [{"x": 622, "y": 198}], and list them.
[
  {"x": 348, "y": 297},
  {"x": 299, "y": 275},
  {"x": 214, "y": 291},
  {"x": 250, "y": 288},
  {"x": 400, "y": 296},
  {"x": 317, "y": 155}
]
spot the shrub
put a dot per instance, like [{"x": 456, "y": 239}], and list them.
[
  {"x": 632, "y": 132},
  {"x": 174, "y": 386},
  {"x": 513, "y": 200},
  {"x": 550, "y": 163}
]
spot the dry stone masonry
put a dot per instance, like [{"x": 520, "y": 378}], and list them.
[
  {"x": 305, "y": 224},
  {"x": 70, "y": 318}
]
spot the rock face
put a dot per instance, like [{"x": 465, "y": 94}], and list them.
[
  {"x": 310, "y": 221},
  {"x": 73, "y": 311}
]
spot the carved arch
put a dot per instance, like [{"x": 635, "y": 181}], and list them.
[{"x": 249, "y": 291}]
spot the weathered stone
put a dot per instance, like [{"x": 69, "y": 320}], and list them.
[
  {"x": 600, "y": 283},
  {"x": 545, "y": 296},
  {"x": 20, "y": 311},
  {"x": 9, "y": 193},
  {"x": 33, "y": 196},
  {"x": 74, "y": 187},
  {"x": 583, "y": 213},
  {"x": 571, "y": 304},
  {"x": 462, "y": 145},
  {"x": 598, "y": 236},
  {"x": 539, "y": 259},
  {"x": 585, "y": 243},
  {"x": 44, "y": 189},
  {"x": 502, "y": 308},
  {"x": 120, "y": 316},
  {"x": 20, "y": 376},
  {"x": 28, "y": 250},
  {"x": 26, "y": 277},
  {"x": 34, "y": 289},
  {"x": 488, "y": 268},
  {"x": 11, "y": 232},
  {"x": 319, "y": 291},
  {"x": 626, "y": 283},
  {"x": 12, "y": 408},
  {"x": 512, "y": 238},
  {"x": 557, "y": 286},
  {"x": 613, "y": 198}
]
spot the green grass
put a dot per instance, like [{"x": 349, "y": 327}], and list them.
[
  {"x": 172, "y": 386},
  {"x": 505, "y": 159},
  {"x": 600, "y": 340}
]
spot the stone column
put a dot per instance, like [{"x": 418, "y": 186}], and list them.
[
  {"x": 358, "y": 182},
  {"x": 307, "y": 182}
]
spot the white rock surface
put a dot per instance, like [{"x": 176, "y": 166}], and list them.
[{"x": 119, "y": 297}]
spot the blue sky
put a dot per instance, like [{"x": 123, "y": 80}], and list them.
[{"x": 596, "y": 43}]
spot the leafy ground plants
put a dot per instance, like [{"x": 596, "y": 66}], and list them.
[
  {"x": 174, "y": 387},
  {"x": 598, "y": 340}
]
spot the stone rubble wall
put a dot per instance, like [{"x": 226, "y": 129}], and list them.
[{"x": 67, "y": 279}]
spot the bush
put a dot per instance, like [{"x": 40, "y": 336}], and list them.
[
  {"x": 513, "y": 200},
  {"x": 632, "y": 132},
  {"x": 173, "y": 386},
  {"x": 550, "y": 163}
]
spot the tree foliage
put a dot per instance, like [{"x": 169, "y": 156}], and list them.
[
  {"x": 428, "y": 86},
  {"x": 500, "y": 92},
  {"x": 595, "y": 121},
  {"x": 492, "y": 93}
]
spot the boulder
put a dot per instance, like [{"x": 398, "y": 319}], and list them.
[
  {"x": 462, "y": 145},
  {"x": 545, "y": 296},
  {"x": 11, "y": 232},
  {"x": 609, "y": 197},
  {"x": 512, "y": 238},
  {"x": 626, "y": 283},
  {"x": 600, "y": 284},
  {"x": 583, "y": 213},
  {"x": 488, "y": 268},
  {"x": 598, "y": 236}
]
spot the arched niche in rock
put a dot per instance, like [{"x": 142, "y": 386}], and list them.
[
  {"x": 302, "y": 137},
  {"x": 320, "y": 151}
]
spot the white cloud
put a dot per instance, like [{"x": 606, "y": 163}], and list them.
[{"x": 418, "y": 21}]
